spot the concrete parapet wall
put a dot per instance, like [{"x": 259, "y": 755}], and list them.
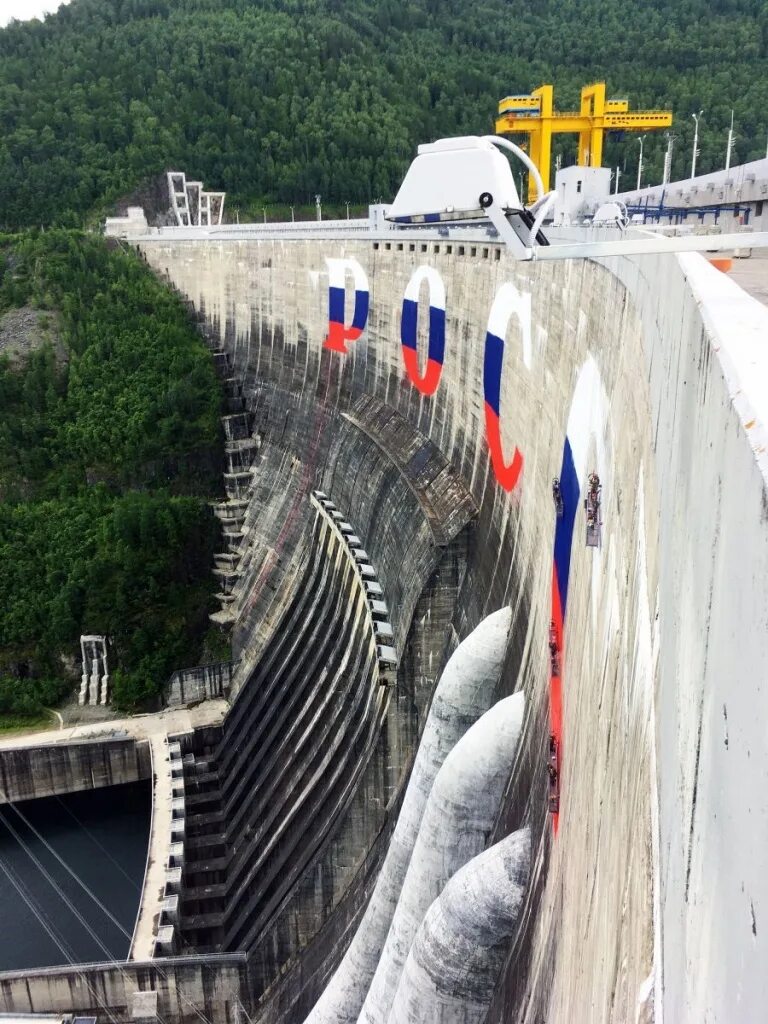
[
  {"x": 212, "y": 988},
  {"x": 28, "y": 773}
]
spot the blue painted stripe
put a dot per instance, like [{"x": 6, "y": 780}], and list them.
[
  {"x": 492, "y": 363},
  {"x": 360, "y": 319},
  {"x": 431, "y": 218},
  {"x": 408, "y": 323},
  {"x": 569, "y": 488},
  {"x": 336, "y": 298},
  {"x": 436, "y": 334}
]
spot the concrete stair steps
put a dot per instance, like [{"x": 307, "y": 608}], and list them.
[
  {"x": 330, "y": 779},
  {"x": 201, "y": 867},
  {"x": 210, "y": 796},
  {"x": 238, "y": 445},
  {"x": 228, "y": 573},
  {"x": 317, "y": 766},
  {"x": 195, "y": 843},
  {"x": 240, "y": 474},
  {"x": 225, "y": 557},
  {"x": 188, "y": 923}
]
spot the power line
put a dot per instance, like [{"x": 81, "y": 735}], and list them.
[
  {"x": 73, "y": 874},
  {"x": 161, "y": 971},
  {"x": 113, "y": 962},
  {"x": 103, "y": 848},
  {"x": 60, "y": 892},
  {"x": 42, "y": 920}
]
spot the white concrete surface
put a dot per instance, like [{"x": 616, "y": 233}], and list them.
[
  {"x": 664, "y": 695},
  {"x": 140, "y": 727}
]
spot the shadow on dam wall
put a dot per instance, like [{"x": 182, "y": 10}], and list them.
[{"x": 546, "y": 368}]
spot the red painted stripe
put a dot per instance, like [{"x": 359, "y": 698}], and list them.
[
  {"x": 507, "y": 474},
  {"x": 338, "y": 335},
  {"x": 426, "y": 384}
]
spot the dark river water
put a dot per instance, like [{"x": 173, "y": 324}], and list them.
[{"x": 102, "y": 836}]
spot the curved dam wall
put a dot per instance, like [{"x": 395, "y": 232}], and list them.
[{"x": 645, "y": 897}]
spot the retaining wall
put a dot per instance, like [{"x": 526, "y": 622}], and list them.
[{"x": 27, "y": 773}]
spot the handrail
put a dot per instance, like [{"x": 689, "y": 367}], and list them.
[{"x": 497, "y": 140}]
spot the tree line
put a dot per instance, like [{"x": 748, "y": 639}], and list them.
[
  {"x": 109, "y": 442},
  {"x": 276, "y": 100}
]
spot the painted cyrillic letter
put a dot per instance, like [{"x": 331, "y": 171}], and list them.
[
  {"x": 338, "y": 332},
  {"x": 427, "y": 382}
]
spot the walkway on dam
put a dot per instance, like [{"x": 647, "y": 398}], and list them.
[
  {"x": 139, "y": 727},
  {"x": 752, "y": 274}
]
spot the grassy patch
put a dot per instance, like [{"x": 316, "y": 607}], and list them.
[{"x": 10, "y": 724}]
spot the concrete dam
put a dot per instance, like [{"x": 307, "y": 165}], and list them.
[{"x": 371, "y": 832}]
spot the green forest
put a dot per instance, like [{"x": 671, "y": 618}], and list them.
[
  {"x": 109, "y": 433},
  {"x": 275, "y": 100}
]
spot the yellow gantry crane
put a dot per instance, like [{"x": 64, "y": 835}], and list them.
[{"x": 533, "y": 114}]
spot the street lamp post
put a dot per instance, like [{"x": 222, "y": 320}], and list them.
[
  {"x": 264, "y": 211},
  {"x": 667, "y": 176},
  {"x": 293, "y": 216},
  {"x": 695, "y": 142},
  {"x": 640, "y": 161},
  {"x": 729, "y": 150},
  {"x": 347, "y": 206},
  {"x": 318, "y": 207}
]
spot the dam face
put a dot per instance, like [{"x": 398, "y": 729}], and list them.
[{"x": 431, "y": 392}]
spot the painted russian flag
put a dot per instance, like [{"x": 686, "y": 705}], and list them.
[{"x": 586, "y": 420}]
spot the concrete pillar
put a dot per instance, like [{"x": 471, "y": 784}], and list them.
[
  {"x": 463, "y": 941},
  {"x": 105, "y": 677},
  {"x": 463, "y": 694},
  {"x": 93, "y": 691},
  {"x": 460, "y": 813}
]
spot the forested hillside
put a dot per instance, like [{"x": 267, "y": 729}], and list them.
[
  {"x": 109, "y": 434},
  {"x": 274, "y": 100}
]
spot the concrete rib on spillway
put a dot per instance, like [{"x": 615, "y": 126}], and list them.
[
  {"x": 458, "y": 819},
  {"x": 461, "y": 946},
  {"x": 463, "y": 694}
]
